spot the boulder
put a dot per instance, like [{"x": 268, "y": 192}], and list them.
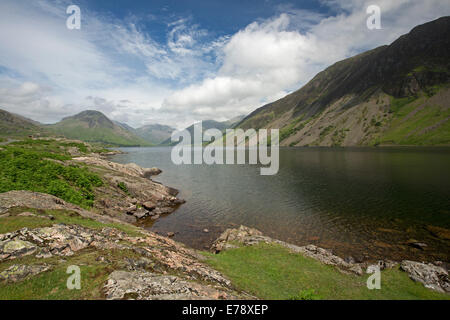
[
  {"x": 141, "y": 285},
  {"x": 431, "y": 276},
  {"x": 149, "y": 205},
  {"x": 18, "y": 272}
]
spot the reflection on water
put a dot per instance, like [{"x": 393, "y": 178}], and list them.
[{"x": 366, "y": 203}]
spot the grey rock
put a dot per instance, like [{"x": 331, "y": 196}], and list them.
[
  {"x": 140, "y": 285},
  {"x": 19, "y": 272},
  {"x": 431, "y": 276}
]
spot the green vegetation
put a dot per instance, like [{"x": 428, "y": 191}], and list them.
[
  {"x": 51, "y": 285},
  {"x": 416, "y": 122},
  {"x": 274, "y": 272},
  {"x": 94, "y": 126},
  {"x": 122, "y": 186},
  {"x": 15, "y": 222},
  {"x": 38, "y": 165},
  {"x": 291, "y": 129},
  {"x": 398, "y": 103}
]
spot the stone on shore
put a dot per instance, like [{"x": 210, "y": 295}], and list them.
[{"x": 431, "y": 276}]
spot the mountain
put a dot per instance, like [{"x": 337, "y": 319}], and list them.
[
  {"x": 94, "y": 126},
  {"x": 397, "y": 94},
  {"x": 206, "y": 124},
  {"x": 125, "y": 126},
  {"x": 154, "y": 133},
  {"x": 234, "y": 121},
  {"x": 14, "y": 125}
]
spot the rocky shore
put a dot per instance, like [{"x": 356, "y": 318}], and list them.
[
  {"x": 149, "y": 266},
  {"x": 43, "y": 235},
  {"x": 130, "y": 194}
]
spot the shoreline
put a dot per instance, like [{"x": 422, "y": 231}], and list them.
[{"x": 43, "y": 233}]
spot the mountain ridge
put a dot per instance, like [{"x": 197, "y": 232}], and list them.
[
  {"x": 379, "y": 83},
  {"x": 94, "y": 126}
]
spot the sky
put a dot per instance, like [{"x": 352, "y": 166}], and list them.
[{"x": 180, "y": 61}]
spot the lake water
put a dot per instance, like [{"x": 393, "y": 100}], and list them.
[{"x": 360, "y": 202}]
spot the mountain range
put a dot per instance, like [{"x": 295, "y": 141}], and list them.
[
  {"x": 392, "y": 95},
  {"x": 94, "y": 126}
]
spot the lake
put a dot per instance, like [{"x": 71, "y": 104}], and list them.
[{"x": 367, "y": 203}]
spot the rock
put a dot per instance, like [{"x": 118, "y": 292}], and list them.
[
  {"x": 140, "y": 213},
  {"x": 155, "y": 217},
  {"x": 16, "y": 248},
  {"x": 131, "y": 209},
  {"x": 19, "y": 272},
  {"x": 26, "y": 214},
  {"x": 439, "y": 232},
  {"x": 4, "y": 215},
  {"x": 170, "y": 234},
  {"x": 149, "y": 205},
  {"x": 141, "y": 285},
  {"x": 431, "y": 276},
  {"x": 416, "y": 244},
  {"x": 205, "y": 230},
  {"x": 249, "y": 236},
  {"x": 147, "y": 173},
  {"x": 350, "y": 260}
]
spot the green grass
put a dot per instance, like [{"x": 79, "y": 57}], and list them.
[
  {"x": 398, "y": 103},
  {"x": 122, "y": 186},
  {"x": 15, "y": 222},
  {"x": 51, "y": 285},
  {"x": 273, "y": 272},
  {"x": 39, "y": 166},
  {"x": 292, "y": 128},
  {"x": 413, "y": 131}
]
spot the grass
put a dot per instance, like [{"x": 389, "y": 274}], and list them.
[
  {"x": 51, "y": 285},
  {"x": 38, "y": 165},
  {"x": 15, "y": 222},
  {"x": 414, "y": 132},
  {"x": 122, "y": 186},
  {"x": 273, "y": 272},
  {"x": 292, "y": 128}
]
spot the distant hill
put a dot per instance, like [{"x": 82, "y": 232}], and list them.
[
  {"x": 13, "y": 125},
  {"x": 397, "y": 94},
  {"x": 206, "y": 124},
  {"x": 94, "y": 126},
  {"x": 154, "y": 133}
]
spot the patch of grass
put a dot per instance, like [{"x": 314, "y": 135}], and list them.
[
  {"x": 291, "y": 128},
  {"x": 398, "y": 103},
  {"x": 14, "y": 222},
  {"x": 273, "y": 272},
  {"x": 52, "y": 285},
  {"x": 38, "y": 166},
  {"x": 122, "y": 186}
]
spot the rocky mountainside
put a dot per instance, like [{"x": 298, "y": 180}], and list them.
[
  {"x": 396, "y": 94},
  {"x": 94, "y": 126},
  {"x": 14, "y": 125}
]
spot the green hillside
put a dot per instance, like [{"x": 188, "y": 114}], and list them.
[
  {"x": 94, "y": 126},
  {"x": 396, "y": 94}
]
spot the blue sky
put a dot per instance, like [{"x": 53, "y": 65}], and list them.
[{"x": 176, "y": 62}]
